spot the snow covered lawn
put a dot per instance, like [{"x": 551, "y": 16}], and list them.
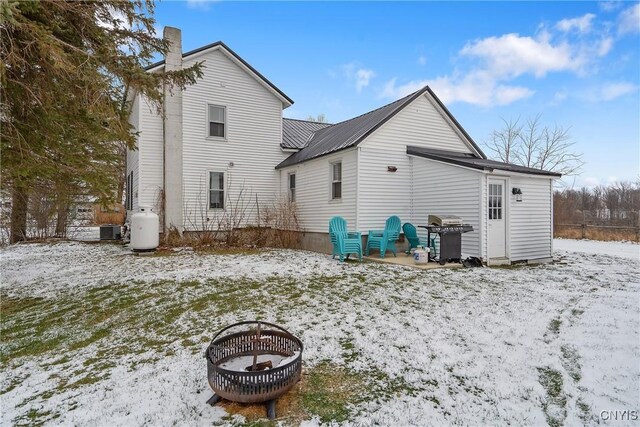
[{"x": 91, "y": 335}]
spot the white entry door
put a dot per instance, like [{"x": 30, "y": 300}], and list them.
[{"x": 497, "y": 244}]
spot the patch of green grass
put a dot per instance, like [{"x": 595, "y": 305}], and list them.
[
  {"x": 554, "y": 406},
  {"x": 585, "y": 411},
  {"x": 329, "y": 391},
  {"x": 554, "y": 326},
  {"x": 571, "y": 362}
]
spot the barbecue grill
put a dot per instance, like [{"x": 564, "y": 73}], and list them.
[
  {"x": 253, "y": 365},
  {"x": 450, "y": 229}
]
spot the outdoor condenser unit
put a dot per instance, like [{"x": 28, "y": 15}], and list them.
[{"x": 110, "y": 232}]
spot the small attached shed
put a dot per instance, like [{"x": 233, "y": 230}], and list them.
[{"x": 510, "y": 206}]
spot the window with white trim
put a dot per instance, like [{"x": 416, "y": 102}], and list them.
[
  {"x": 292, "y": 187},
  {"x": 217, "y": 121},
  {"x": 216, "y": 190},
  {"x": 336, "y": 180}
]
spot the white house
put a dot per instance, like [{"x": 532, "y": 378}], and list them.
[{"x": 226, "y": 135}]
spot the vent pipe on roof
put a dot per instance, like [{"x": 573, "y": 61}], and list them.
[{"x": 172, "y": 124}]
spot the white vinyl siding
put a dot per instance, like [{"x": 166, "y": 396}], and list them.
[
  {"x": 251, "y": 150},
  {"x": 530, "y": 220},
  {"x": 151, "y": 156},
  {"x": 313, "y": 191},
  {"x": 383, "y": 193},
  {"x": 447, "y": 190},
  {"x": 133, "y": 168}
]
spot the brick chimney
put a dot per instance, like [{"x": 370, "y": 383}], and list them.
[{"x": 173, "y": 135}]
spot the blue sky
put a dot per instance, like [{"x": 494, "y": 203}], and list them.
[{"x": 576, "y": 63}]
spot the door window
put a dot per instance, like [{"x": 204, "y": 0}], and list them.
[{"x": 495, "y": 201}]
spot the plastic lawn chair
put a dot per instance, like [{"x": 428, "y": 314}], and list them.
[
  {"x": 413, "y": 240},
  {"x": 385, "y": 239},
  {"x": 344, "y": 243}
]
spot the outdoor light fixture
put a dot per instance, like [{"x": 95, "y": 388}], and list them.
[
  {"x": 391, "y": 168},
  {"x": 518, "y": 193}
]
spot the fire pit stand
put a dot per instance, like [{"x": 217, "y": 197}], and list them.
[{"x": 233, "y": 370}]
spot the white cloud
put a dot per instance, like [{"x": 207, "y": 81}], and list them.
[
  {"x": 422, "y": 60},
  {"x": 512, "y": 55},
  {"x": 363, "y": 77},
  {"x": 581, "y": 24},
  {"x": 117, "y": 19},
  {"x": 360, "y": 76},
  {"x": 560, "y": 96},
  {"x": 629, "y": 20},
  {"x": 200, "y": 4},
  {"x": 493, "y": 64},
  {"x": 612, "y": 91},
  {"x": 604, "y": 46},
  {"x": 476, "y": 88},
  {"x": 608, "y": 6}
]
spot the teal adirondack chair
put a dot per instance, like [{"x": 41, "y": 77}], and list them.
[
  {"x": 414, "y": 241},
  {"x": 344, "y": 243},
  {"x": 385, "y": 239}
]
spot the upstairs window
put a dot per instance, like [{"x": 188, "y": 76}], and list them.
[
  {"x": 292, "y": 187},
  {"x": 216, "y": 190},
  {"x": 336, "y": 180},
  {"x": 217, "y": 121}
]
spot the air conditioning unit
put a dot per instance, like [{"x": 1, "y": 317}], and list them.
[{"x": 110, "y": 232}]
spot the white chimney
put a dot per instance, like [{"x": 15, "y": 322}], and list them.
[{"x": 173, "y": 135}]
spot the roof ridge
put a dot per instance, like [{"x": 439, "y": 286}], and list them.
[
  {"x": 308, "y": 121},
  {"x": 379, "y": 108}
]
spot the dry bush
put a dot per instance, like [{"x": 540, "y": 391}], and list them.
[
  {"x": 282, "y": 218},
  {"x": 596, "y": 233}
]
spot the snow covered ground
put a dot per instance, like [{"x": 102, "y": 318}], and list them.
[
  {"x": 618, "y": 249},
  {"x": 92, "y": 335}
]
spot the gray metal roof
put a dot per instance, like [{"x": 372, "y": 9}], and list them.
[
  {"x": 296, "y": 133},
  {"x": 353, "y": 131},
  {"x": 474, "y": 162}
]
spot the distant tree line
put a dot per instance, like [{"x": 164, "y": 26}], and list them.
[{"x": 614, "y": 204}]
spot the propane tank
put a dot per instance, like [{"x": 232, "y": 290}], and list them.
[{"x": 145, "y": 230}]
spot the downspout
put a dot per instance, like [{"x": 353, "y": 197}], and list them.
[
  {"x": 358, "y": 188},
  {"x": 411, "y": 212}
]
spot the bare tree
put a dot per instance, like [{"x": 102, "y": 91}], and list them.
[
  {"x": 321, "y": 118},
  {"x": 535, "y": 145}
]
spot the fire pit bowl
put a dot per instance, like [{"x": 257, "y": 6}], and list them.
[{"x": 259, "y": 363}]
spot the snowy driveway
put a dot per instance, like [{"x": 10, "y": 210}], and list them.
[{"x": 94, "y": 336}]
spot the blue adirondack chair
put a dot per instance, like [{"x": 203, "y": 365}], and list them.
[
  {"x": 411, "y": 234},
  {"x": 344, "y": 243},
  {"x": 385, "y": 239}
]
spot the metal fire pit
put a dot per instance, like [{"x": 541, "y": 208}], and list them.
[{"x": 253, "y": 386}]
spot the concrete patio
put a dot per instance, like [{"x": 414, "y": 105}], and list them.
[{"x": 403, "y": 259}]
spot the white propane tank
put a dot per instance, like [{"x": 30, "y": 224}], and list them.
[
  {"x": 421, "y": 255},
  {"x": 145, "y": 230}
]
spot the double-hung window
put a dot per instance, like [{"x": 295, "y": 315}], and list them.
[
  {"x": 336, "y": 180},
  {"x": 217, "y": 121},
  {"x": 292, "y": 187},
  {"x": 216, "y": 190}
]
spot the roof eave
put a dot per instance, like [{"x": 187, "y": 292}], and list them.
[{"x": 416, "y": 152}]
